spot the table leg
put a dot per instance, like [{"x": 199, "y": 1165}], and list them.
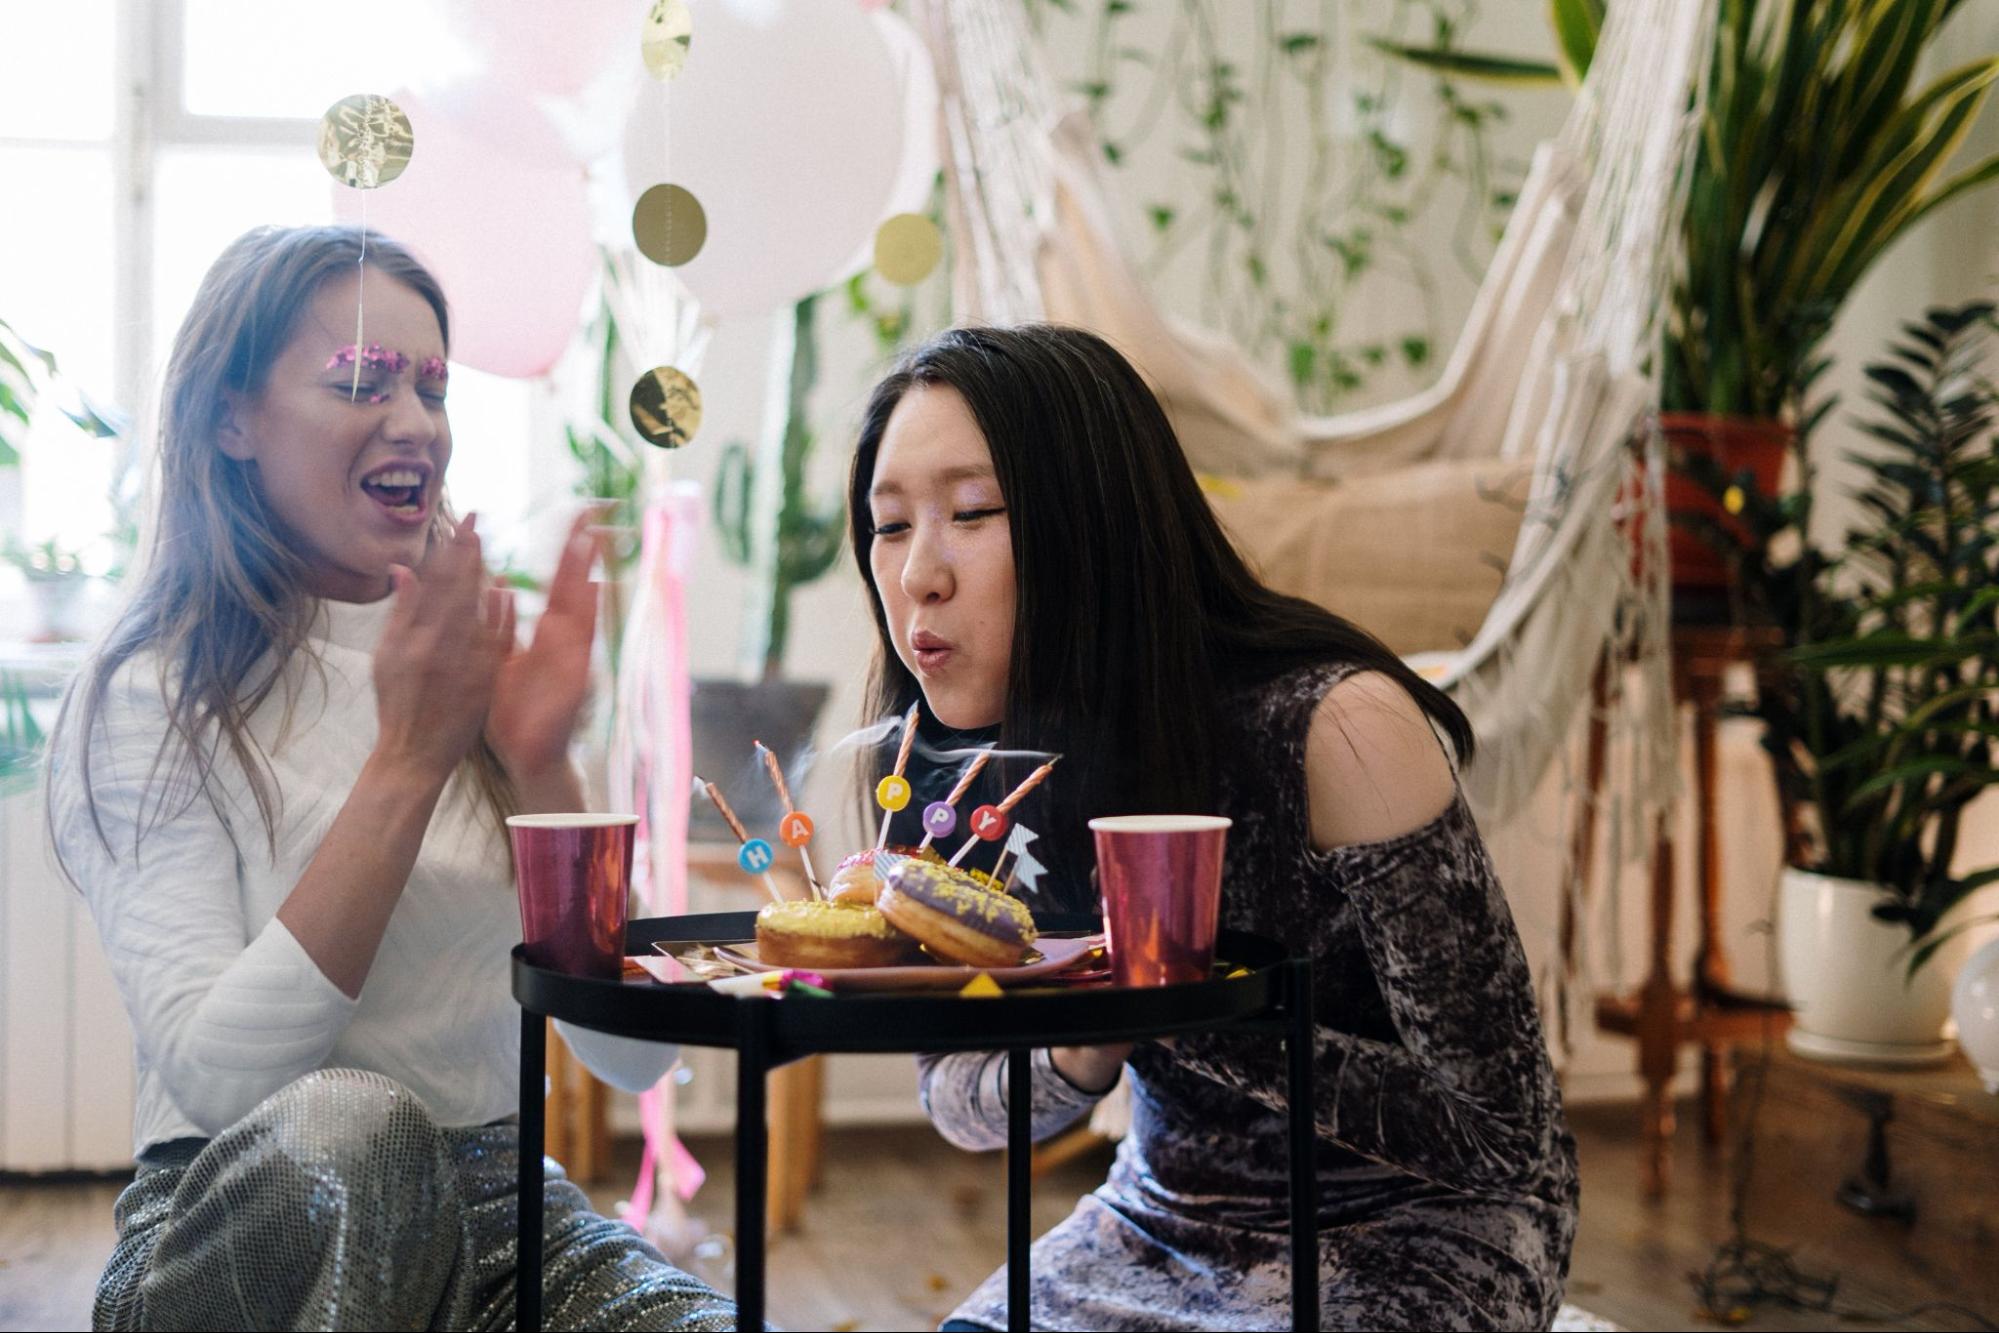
[
  {"x": 527, "y": 1227},
  {"x": 794, "y": 1139},
  {"x": 1019, "y": 1196},
  {"x": 1658, "y": 1030},
  {"x": 1300, "y": 1048},
  {"x": 1714, "y": 1094},
  {"x": 752, "y": 1161}
]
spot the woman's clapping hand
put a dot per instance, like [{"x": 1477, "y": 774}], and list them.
[
  {"x": 539, "y": 691},
  {"x": 438, "y": 657}
]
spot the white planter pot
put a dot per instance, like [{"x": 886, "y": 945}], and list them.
[
  {"x": 1846, "y": 975},
  {"x": 58, "y": 608}
]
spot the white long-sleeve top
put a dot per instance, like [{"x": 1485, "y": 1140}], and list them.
[{"x": 226, "y": 1005}]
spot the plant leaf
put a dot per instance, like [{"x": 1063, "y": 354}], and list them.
[
  {"x": 1500, "y": 69},
  {"x": 1577, "y": 25}
]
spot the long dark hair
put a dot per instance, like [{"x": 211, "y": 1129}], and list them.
[
  {"x": 219, "y": 586},
  {"x": 1135, "y": 614}
]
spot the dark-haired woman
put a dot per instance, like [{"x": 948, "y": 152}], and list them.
[
  {"x": 1046, "y": 575},
  {"x": 279, "y": 783}
]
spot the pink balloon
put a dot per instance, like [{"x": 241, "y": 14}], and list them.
[
  {"x": 502, "y": 119},
  {"x": 550, "y": 48},
  {"x": 508, "y": 239}
]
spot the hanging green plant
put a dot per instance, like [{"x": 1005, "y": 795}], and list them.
[{"x": 1283, "y": 256}]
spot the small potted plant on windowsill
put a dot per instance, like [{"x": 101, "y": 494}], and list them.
[
  {"x": 56, "y": 577},
  {"x": 56, "y": 581},
  {"x": 1882, "y": 720}
]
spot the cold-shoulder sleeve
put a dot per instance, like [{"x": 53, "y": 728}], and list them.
[
  {"x": 1465, "y": 1096},
  {"x": 226, "y": 1013}
]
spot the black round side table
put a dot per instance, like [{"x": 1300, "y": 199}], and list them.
[{"x": 1273, "y": 996}]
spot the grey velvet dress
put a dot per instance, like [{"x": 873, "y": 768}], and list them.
[{"x": 1447, "y": 1175}]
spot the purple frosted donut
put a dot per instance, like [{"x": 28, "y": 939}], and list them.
[{"x": 955, "y": 916}]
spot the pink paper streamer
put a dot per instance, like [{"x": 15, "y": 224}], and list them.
[{"x": 655, "y": 683}]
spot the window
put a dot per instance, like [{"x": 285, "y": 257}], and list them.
[{"x": 119, "y": 207}]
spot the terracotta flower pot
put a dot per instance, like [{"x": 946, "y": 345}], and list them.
[{"x": 1735, "y": 444}]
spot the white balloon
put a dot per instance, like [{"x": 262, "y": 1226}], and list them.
[
  {"x": 917, "y": 175},
  {"x": 626, "y": 1063},
  {"x": 1975, "y": 1006},
  {"x": 789, "y": 125}
]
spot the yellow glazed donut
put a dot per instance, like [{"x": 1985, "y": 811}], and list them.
[
  {"x": 816, "y": 935},
  {"x": 955, "y": 917}
]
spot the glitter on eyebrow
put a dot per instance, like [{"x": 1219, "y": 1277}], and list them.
[
  {"x": 393, "y": 362},
  {"x": 432, "y": 368},
  {"x": 374, "y": 356}
]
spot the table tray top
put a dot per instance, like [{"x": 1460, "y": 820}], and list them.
[{"x": 695, "y": 1014}]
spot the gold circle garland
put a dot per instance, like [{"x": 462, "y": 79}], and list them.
[
  {"x": 666, "y": 407},
  {"x": 365, "y": 141},
  {"x": 668, "y": 33},
  {"x": 907, "y": 248},
  {"x": 669, "y": 225}
]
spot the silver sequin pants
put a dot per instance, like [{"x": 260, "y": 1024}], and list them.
[{"x": 339, "y": 1203}]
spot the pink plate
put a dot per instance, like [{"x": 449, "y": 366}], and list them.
[{"x": 1057, "y": 955}]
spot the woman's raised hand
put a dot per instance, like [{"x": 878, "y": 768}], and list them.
[
  {"x": 539, "y": 691},
  {"x": 438, "y": 656}
]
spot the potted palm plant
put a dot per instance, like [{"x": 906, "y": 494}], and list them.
[
  {"x": 1780, "y": 224},
  {"x": 1882, "y": 720}
]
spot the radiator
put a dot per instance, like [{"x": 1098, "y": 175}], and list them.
[{"x": 65, "y": 1044}]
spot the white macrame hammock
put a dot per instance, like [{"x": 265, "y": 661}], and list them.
[{"x": 1554, "y": 367}]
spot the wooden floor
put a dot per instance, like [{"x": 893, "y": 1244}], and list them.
[{"x": 904, "y": 1224}]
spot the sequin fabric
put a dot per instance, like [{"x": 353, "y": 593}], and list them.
[
  {"x": 1447, "y": 1175},
  {"x": 340, "y": 1203}
]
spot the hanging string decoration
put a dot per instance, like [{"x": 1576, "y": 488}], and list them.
[
  {"x": 907, "y": 248},
  {"x": 666, "y": 407},
  {"x": 668, "y": 32},
  {"x": 669, "y": 225},
  {"x": 365, "y": 141}
]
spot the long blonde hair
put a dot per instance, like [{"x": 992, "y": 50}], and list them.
[{"x": 218, "y": 586}]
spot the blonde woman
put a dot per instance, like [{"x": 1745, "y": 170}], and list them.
[{"x": 280, "y": 783}]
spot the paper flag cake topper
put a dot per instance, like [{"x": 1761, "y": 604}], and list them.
[{"x": 365, "y": 141}]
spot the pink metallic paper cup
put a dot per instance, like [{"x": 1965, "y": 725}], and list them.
[
  {"x": 575, "y": 878},
  {"x": 1162, "y": 882}
]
